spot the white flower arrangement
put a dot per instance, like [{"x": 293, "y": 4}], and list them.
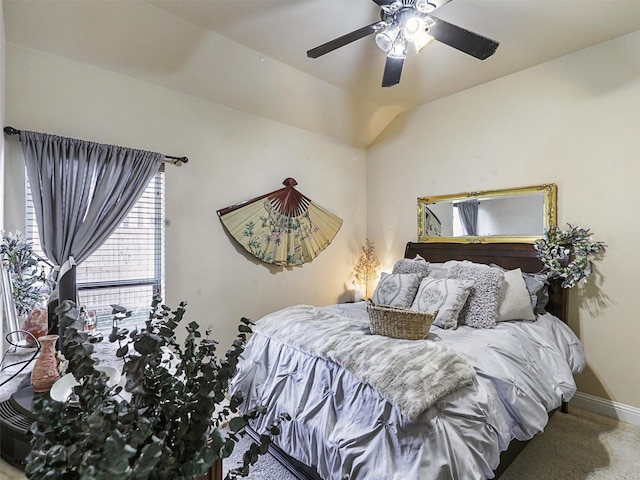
[{"x": 568, "y": 254}]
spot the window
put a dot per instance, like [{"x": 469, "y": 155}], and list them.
[{"x": 128, "y": 269}]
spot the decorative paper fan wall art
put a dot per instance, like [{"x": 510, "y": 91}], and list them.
[{"x": 283, "y": 227}]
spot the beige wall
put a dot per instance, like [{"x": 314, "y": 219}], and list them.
[
  {"x": 574, "y": 121},
  {"x": 233, "y": 157},
  {"x": 191, "y": 59}
]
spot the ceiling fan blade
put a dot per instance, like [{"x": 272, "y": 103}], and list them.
[
  {"x": 385, "y": 2},
  {"x": 331, "y": 45},
  {"x": 392, "y": 71},
  {"x": 463, "y": 40}
]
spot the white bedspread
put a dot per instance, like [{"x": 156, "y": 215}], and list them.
[
  {"x": 410, "y": 374},
  {"x": 347, "y": 430}
]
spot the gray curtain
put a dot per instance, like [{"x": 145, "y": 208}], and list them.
[
  {"x": 468, "y": 213},
  {"x": 82, "y": 190}
]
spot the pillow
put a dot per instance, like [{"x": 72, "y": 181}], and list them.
[
  {"x": 446, "y": 295},
  {"x": 514, "y": 302},
  {"x": 418, "y": 265},
  {"x": 438, "y": 270},
  {"x": 481, "y": 309},
  {"x": 396, "y": 289},
  {"x": 538, "y": 287}
]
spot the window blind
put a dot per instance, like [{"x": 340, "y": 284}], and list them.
[{"x": 128, "y": 269}]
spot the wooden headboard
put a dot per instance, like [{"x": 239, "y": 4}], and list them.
[{"x": 507, "y": 255}]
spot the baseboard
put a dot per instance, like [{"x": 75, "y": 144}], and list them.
[{"x": 608, "y": 408}]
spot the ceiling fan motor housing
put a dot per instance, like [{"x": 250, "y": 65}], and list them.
[{"x": 422, "y": 6}]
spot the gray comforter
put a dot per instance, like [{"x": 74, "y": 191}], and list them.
[
  {"x": 412, "y": 375},
  {"x": 347, "y": 429}
]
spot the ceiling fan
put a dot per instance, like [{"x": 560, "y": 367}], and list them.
[{"x": 406, "y": 22}]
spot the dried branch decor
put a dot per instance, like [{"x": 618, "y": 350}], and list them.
[{"x": 367, "y": 266}]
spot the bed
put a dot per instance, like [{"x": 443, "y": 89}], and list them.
[{"x": 347, "y": 423}]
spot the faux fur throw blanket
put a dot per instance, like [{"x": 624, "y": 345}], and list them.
[{"x": 410, "y": 374}]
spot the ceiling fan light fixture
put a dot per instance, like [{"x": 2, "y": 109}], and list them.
[
  {"x": 387, "y": 38},
  {"x": 429, "y": 22},
  {"x": 415, "y": 31},
  {"x": 413, "y": 28},
  {"x": 399, "y": 49},
  {"x": 423, "y": 6},
  {"x": 422, "y": 41}
]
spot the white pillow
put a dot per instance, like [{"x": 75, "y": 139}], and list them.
[
  {"x": 446, "y": 295},
  {"x": 396, "y": 289},
  {"x": 514, "y": 302}
]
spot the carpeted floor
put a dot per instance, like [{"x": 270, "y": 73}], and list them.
[
  {"x": 577, "y": 446},
  {"x": 580, "y": 446}
]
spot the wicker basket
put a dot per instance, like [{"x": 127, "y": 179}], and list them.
[{"x": 399, "y": 322}]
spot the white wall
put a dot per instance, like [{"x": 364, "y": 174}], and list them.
[
  {"x": 575, "y": 122},
  {"x": 233, "y": 157}
]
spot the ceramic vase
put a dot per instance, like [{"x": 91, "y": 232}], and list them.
[{"x": 45, "y": 372}]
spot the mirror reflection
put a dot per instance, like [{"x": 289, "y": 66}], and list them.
[{"x": 516, "y": 214}]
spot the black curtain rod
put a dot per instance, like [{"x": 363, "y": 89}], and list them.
[{"x": 168, "y": 158}]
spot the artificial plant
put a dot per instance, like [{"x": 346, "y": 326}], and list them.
[
  {"x": 165, "y": 423},
  {"x": 568, "y": 254},
  {"x": 27, "y": 271}
]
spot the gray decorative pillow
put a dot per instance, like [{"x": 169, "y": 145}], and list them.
[
  {"x": 396, "y": 289},
  {"x": 418, "y": 265},
  {"x": 439, "y": 270},
  {"x": 515, "y": 302},
  {"x": 481, "y": 309},
  {"x": 446, "y": 295},
  {"x": 538, "y": 287}
]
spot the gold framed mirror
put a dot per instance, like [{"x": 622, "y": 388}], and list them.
[{"x": 510, "y": 215}]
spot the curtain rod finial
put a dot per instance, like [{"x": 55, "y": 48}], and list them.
[{"x": 11, "y": 131}]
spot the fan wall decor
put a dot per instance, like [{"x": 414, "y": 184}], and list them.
[{"x": 283, "y": 227}]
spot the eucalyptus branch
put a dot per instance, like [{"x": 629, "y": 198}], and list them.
[{"x": 166, "y": 421}]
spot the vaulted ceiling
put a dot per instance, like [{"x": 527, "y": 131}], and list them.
[{"x": 248, "y": 53}]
